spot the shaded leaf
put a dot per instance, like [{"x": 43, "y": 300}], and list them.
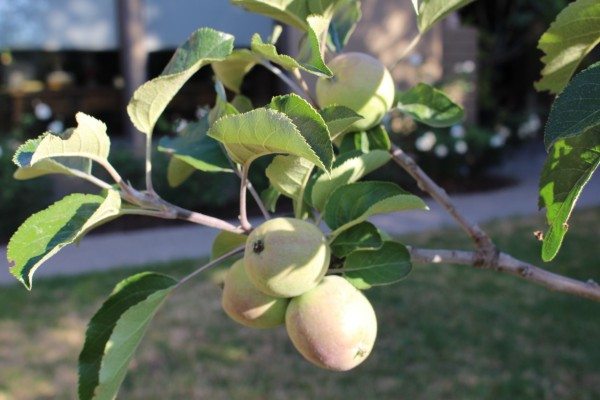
[
  {"x": 195, "y": 148},
  {"x": 43, "y": 234},
  {"x": 346, "y": 15},
  {"x": 259, "y": 132},
  {"x": 309, "y": 122},
  {"x": 312, "y": 47},
  {"x": 269, "y": 52},
  {"x": 289, "y": 176},
  {"x": 234, "y": 68},
  {"x": 226, "y": 242},
  {"x": 350, "y": 170},
  {"x": 432, "y": 11},
  {"x": 115, "y": 332},
  {"x": 429, "y": 106},
  {"x": 291, "y": 12},
  {"x": 149, "y": 101},
  {"x": 379, "y": 138},
  {"x": 567, "y": 170},
  {"x": 338, "y": 119},
  {"x": 359, "y": 237},
  {"x": 269, "y": 197},
  {"x": 572, "y": 35},
  {"x": 178, "y": 171},
  {"x": 577, "y": 109},
  {"x": 352, "y": 204},
  {"x": 242, "y": 103},
  {"x": 384, "y": 266}
]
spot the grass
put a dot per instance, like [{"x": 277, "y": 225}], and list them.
[{"x": 446, "y": 332}]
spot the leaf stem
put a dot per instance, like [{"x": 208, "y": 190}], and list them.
[
  {"x": 90, "y": 178},
  {"x": 286, "y": 79},
  {"x": 298, "y": 75},
  {"x": 212, "y": 263}
]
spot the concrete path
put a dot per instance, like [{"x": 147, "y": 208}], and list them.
[{"x": 104, "y": 251}]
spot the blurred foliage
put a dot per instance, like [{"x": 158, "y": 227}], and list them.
[
  {"x": 18, "y": 199},
  {"x": 509, "y": 62}
]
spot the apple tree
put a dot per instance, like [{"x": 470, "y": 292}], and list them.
[{"x": 320, "y": 145}]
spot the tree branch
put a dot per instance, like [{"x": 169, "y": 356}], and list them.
[
  {"x": 508, "y": 264},
  {"x": 243, "y": 190},
  {"x": 487, "y": 251}
]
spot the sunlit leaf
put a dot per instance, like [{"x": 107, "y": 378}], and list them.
[{"x": 430, "y": 106}]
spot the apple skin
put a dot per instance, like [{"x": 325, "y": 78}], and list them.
[
  {"x": 286, "y": 257},
  {"x": 333, "y": 326},
  {"x": 247, "y": 305},
  {"x": 360, "y": 82}
]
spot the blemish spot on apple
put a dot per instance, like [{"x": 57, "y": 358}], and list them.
[{"x": 258, "y": 246}]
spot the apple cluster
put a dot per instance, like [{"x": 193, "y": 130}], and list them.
[{"x": 282, "y": 279}]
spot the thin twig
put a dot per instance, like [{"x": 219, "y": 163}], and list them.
[
  {"x": 213, "y": 263},
  {"x": 487, "y": 249},
  {"x": 303, "y": 85},
  {"x": 253, "y": 192},
  {"x": 407, "y": 50},
  {"x": 243, "y": 189},
  {"x": 286, "y": 79},
  {"x": 508, "y": 264},
  {"x": 90, "y": 178}
]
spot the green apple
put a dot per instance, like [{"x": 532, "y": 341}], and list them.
[
  {"x": 361, "y": 83},
  {"x": 286, "y": 257},
  {"x": 245, "y": 304},
  {"x": 333, "y": 325}
]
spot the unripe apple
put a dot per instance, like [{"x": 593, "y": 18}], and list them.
[
  {"x": 245, "y": 304},
  {"x": 286, "y": 257},
  {"x": 333, "y": 325},
  {"x": 361, "y": 83}
]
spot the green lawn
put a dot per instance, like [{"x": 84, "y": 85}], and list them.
[{"x": 446, "y": 332}]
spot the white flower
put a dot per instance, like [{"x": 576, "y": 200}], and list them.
[
  {"x": 465, "y": 67},
  {"x": 457, "y": 131},
  {"x": 441, "y": 150},
  {"x": 503, "y": 130},
  {"x": 42, "y": 111},
  {"x": 180, "y": 124},
  {"x": 426, "y": 141},
  {"x": 497, "y": 141},
  {"x": 415, "y": 59},
  {"x": 56, "y": 126},
  {"x": 461, "y": 147}
]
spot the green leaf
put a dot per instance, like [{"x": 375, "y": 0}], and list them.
[
  {"x": 352, "y": 204},
  {"x": 309, "y": 122},
  {"x": 269, "y": 52},
  {"x": 432, "y": 11},
  {"x": 429, "y": 106},
  {"x": 311, "y": 49},
  {"x": 59, "y": 165},
  {"x": 359, "y": 237},
  {"x": 291, "y": 12},
  {"x": 178, "y": 171},
  {"x": 115, "y": 332},
  {"x": 234, "y": 68},
  {"x": 384, "y": 266},
  {"x": 242, "y": 103},
  {"x": 339, "y": 119},
  {"x": 577, "y": 109},
  {"x": 263, "y": 131},
  {"x": 346, "y": 15},
  {"x": 567, "y": 170},
  {"x": 87, "y": 140},
  {"x": 350, "y": 170},
  {"x": 379, "y": 138},
  {"x": 195, "y": 148},
  {"x": 289, "y": 176},
  {"x": 226, "y": 242},
  {"x": 149, "y": 100},
  {"x": 269, "y": 197},
  {"x": 43, "y": 234},
  {"x": 573, "y": 35}
]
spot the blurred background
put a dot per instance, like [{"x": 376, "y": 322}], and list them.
[{"x": 443, "y": 334}]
